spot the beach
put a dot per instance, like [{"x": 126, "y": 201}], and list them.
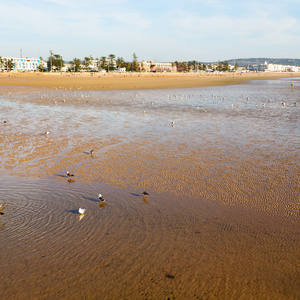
[
  {"x": 132, "y": 81},
  {"x": 218, "y": 155}
]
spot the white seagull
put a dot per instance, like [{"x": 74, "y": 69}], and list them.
[
  {"x": 81, "y": 210},
  {"x": 101, "y": 199}
]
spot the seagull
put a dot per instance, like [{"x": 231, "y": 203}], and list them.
[
  {"x": 92, "y": 151},
  {"x": 101, "y": 199},
  {"x": 46, "y": 133},
  {"x": 69, "y": 174},
  {"x": 145, "y": 194},
  {"x": 81, "y": 210}
]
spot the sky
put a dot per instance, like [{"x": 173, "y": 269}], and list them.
[{"x": 162, "y": 31}]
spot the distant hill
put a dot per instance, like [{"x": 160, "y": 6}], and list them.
[{"x": 243, "y": 62}]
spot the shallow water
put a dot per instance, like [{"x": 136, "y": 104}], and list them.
[{"x": 222, "y": 216}]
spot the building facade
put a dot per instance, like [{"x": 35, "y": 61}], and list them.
[
  {"x": 151, "y": 66},
  {"x": 282, "y": 68},
  {"x": 273, "y": 68},
  {"x": 21, "y": 64}
]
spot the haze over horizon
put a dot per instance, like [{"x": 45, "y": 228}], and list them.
[{"x": 157, "y": 30}]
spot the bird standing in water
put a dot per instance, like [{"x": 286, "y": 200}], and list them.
[
  {"x": 69, "y": 174},
  {"x": 101, "y": 199},
  {"x": 1, "y": 208},
  {"x": 145, "y": 197}
]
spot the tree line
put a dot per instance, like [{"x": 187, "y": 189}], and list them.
[
  {"x": 196, "y": 66},
  {"x": 108, "y": 63}
]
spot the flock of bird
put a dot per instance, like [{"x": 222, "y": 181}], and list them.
[
  {"x": 81, "y": 211},
  {"x": 101, "y": 199},
  {"x": 282, "y": 104}
]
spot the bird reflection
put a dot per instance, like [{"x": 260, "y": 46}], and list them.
[
  {"x": 81, "y": 216},
  {"x": 102, "y": 204}
]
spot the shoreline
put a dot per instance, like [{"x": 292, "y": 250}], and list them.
[{"x": 132, "y": 81}]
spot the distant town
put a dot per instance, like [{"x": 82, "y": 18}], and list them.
[{"x": 110, "y": 63}]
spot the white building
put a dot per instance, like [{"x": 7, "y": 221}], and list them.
[
  {"x": 22, "y": 64},
  {"x": 120, "y": 70},
  {"x": 280, "y": 68},
  {"x": 95, "y": 65},
  {"x": 157, "y": 67}
]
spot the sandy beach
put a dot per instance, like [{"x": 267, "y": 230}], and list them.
[
  {"x": 131, "y": 81},
  {"x": 218, "y": 155}
]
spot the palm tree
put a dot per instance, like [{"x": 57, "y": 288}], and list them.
[
  {"x": 111, "y": 61},
  {"x": 120, "y": 62},
  {"x": 86, "y": 63},
  {"x": 134, "y": 63},
  {"x": 76, "y": 64},
  {"x": 1, "y": 63},
  {"x": 55, "y": 62},
  {"x": 10, "y": 65},
  {"x": 103, "y": 62}
]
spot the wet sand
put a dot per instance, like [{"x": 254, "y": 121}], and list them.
[{"x": 221, "y": 220}]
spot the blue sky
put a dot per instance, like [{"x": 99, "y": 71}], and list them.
[{"x": 165, "y": 30}]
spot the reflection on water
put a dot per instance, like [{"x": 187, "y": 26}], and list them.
[
  {"x": 231, "y": 148},
  {"x": 102, "y": 204}
]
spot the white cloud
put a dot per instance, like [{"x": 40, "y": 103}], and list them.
[
  {"x": 191, "y": 29},
  {"x": 259, "y": 26}
]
